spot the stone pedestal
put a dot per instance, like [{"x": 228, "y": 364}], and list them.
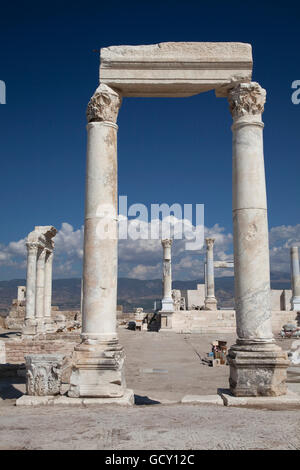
[
  {"x": 257, "y": 370},
  {"x": 257, "y": 365},
  {"x": 98, "y": 361},
  {"x": 98, "y": 371},
  {"x": 210, "y": 299}
]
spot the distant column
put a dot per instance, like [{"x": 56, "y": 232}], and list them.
[
  {"x": 295, "y": 278},
  {"x": 21, "y": 293},
  {"x": 210, "y": 299},
  {"x": 32, "y": 250},
  {"x": 40, "y": 289},
  {"x": 167, "y": 301},
  {"x": 48, "y": 286}
]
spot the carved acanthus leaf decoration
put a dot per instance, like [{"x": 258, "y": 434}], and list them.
[
  {"x": 104, "y": 105},
  {"x": 246, "y": 98}
]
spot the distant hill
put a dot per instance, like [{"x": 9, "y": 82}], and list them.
[{"x": 131, "y": 292}]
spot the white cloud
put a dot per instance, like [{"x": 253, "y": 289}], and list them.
[
  {"x": 281, "y": 239},
  {"x": 142, "y": 258}
]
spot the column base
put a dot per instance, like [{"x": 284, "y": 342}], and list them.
[
  {"x": 295, "y": 302},
  {"x": 29, "y": 327},
  {"x": 40, "y": 326},
  {"x": 210, "y": 303},
  {"x": 49, "y": 325},
  {"x": 257, "y": 369},
  {"x": 98, "y": 370},
  {"x": 167, "y": 305}
]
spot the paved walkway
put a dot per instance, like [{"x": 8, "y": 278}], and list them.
[{"x": 160, "y": 367}]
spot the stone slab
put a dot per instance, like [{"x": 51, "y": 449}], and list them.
[
  {"x": 29, "y": 400},
  {"x": 203, "y": 399},
  {"x": 175, "y": 68},
  {"x": 291, "y": 398}
]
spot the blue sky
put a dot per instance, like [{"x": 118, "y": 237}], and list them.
[{"x": 170, "y": 150}]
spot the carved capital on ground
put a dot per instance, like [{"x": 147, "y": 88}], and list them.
[
  {"x": 246, "y": 99},
  {"x": 43, "y": 374},
  {"x": 104, "y": 105}
]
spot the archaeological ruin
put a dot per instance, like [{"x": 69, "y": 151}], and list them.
[
  {"x": 40, "y": 246},
  {"x": 257, "y": 365},
  {"x": 96, "y": 359}
]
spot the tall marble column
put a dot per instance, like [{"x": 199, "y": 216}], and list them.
[
  {"x": 30, "y": 322},
  {"x": 167, "y": 301},
  {"x": 48, "y": 286},
  {"x": 295, "y": 278},
  {"x": 257, "y": 365},
  {"x": 98, "y": 360},
  {"x": 210, "y": 299},
  {"x": 40, "y": 289}
]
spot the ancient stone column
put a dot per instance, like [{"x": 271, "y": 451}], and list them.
[
  {"x": 257, "y": 365},
  {"x": 21, "y": 293},
  {"x": 98, "y": 360},
  {"x": 210, "y": 299},
  {"x": 295, "y": 278},
  {"x": 48, "y": 286},
  {"x": 29, "y": 325},
  {"x": 40, "y": 289},
  {"x": 167, "y": 301}
]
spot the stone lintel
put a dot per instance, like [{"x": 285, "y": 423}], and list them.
[{"x": 175, "y": 69}]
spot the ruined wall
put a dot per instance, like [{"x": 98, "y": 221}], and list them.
[
  {"x": 15, "y": 350},
  {"x": 223, "y": 321}
]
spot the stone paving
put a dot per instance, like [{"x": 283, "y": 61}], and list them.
[{"x": 161, "y": 368}]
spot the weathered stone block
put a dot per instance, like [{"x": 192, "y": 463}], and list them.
[
  {"x": 98, "y": 371},
  {"x": 175, "y": 68},
  {"x": 43, "y": 374},
  {"x": 257, "y": 370}
]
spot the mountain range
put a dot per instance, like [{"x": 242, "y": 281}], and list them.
[{"x": 131, "y": 292}]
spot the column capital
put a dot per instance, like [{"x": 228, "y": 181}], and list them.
[
  {"x": 294, "y": 249},
  {"x": 167, "y": 242},
  {"x": 104, "y": 105},
  {"x": 246, "y": 99},
  {"x": 32, "y": 247},
  {"x": 210, "y": 242}
]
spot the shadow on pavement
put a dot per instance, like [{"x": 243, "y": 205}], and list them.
[
  {"x": 139, "y": 400},
  {"x": 7, "y": 389}
]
